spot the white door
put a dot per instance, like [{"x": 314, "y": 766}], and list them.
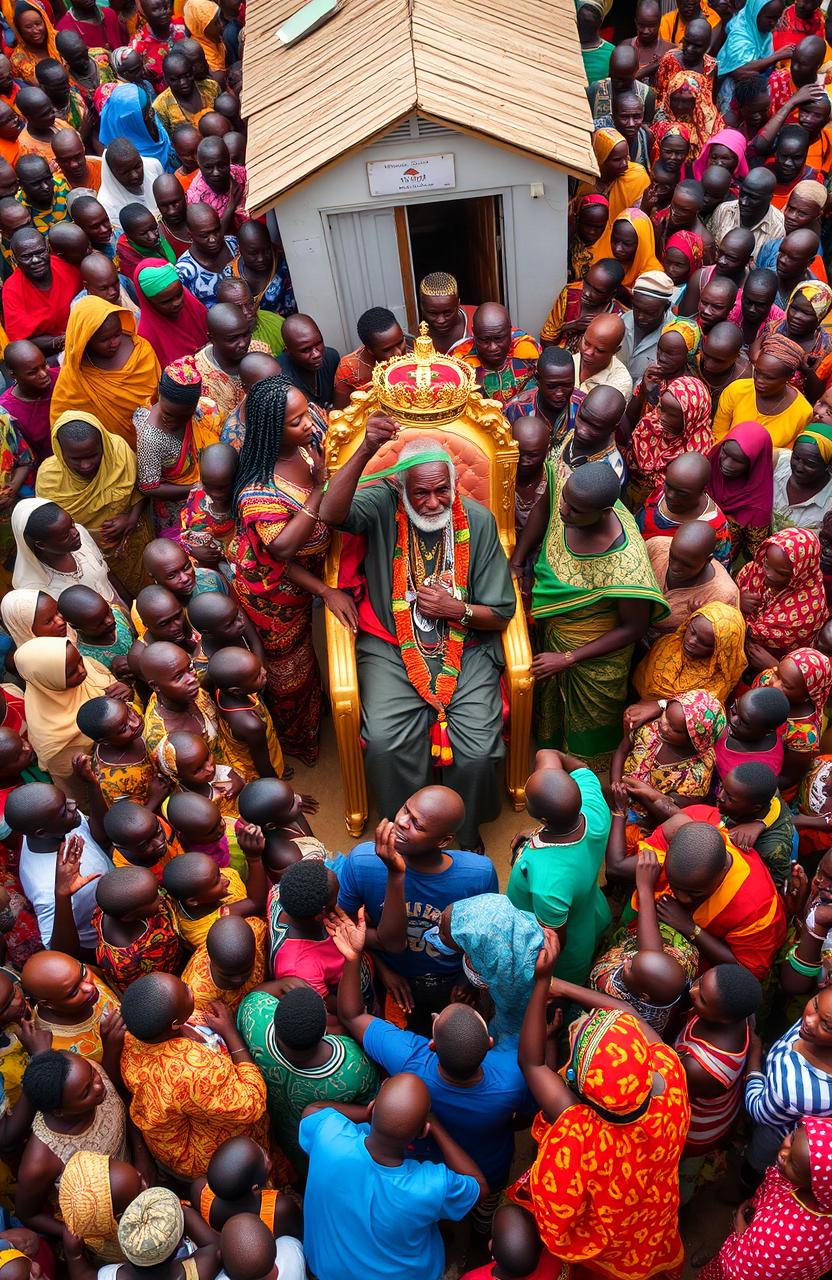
[{"x": 366, "y": 265}]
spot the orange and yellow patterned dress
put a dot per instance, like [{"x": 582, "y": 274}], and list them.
[
  {"x": 189, "y": 1097},
  {"x": 197, "y": 972},
  {"x": 124, "y": 781},
  {"x": 604, "y": 1189},
  {"x": 236, "y": 753}
]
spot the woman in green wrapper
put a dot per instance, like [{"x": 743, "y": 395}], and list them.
[{"x": 594, "y": 596}]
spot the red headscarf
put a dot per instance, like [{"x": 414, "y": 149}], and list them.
[
  {"x": 816, "y": 670},
  {"x": 786, "y": 617},
  {"x": 690, "y": 244},
  {"x": 651, "y": 450},
  {"x": 171, "y": 337}
]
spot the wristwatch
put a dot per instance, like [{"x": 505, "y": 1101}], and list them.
[
  {"x": 467, "y": 615},
  {"x": 662, "y": 702},
  {"x": 697, "y": 929}
]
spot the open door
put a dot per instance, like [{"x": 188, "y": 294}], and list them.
[
  {"x": 463, "y": 237},
  {"x": 483, "y": 244}
]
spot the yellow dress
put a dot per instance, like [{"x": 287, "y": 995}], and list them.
[
  {"x": 738, "y": 403},
  {"x": 84, "y": 1037},
  {"x": 124, "y": 781},
  {"x": 194, "y": 930},
  {"x": 197, "y": 972},
  {"x": 155, "y": 730},
  {"x": 236, "y": 753},
  {"x": 13, "y": 1062}
]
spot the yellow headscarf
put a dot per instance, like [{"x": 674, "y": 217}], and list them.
[
  {"x": 86, "y": 1203},
  {"x": 816, "y": 293},
  {"x": 51, "y": 708},
  {"x": 199, "y": 14},
  {"x": 115, "y": 393},
  {"x": 110, "y": 492},
  {"x": 645, "y": 259},
  {"x": 667, "y": 671},
  {"x": 821, "y": 437}
]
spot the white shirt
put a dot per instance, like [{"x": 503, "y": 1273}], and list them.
[
  {"x": 614, "y": 375},
  {"x": 291, "y": 1264},
  {"x": 37, "y": 876},
  {"x": 727, "y": 216}
]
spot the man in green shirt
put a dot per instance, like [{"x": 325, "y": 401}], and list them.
[
  {"x": 555, "y": 874},
  {"x": 299, "y": 1062}
]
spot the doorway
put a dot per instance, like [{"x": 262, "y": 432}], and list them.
[{"x": 462, "y": 237}]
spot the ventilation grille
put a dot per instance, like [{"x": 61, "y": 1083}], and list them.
[{"x": 414, "y": 127}]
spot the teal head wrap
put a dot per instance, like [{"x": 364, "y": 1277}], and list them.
[{"x": 154, "y": 280}]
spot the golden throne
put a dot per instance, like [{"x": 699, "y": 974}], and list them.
[{"x": 429, "y": 394}]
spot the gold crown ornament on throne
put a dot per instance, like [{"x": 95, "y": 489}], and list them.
[{"x": 423, "y": 387}]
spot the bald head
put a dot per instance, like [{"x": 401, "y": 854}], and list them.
[
  {"x": 690, "y": 552},
  {"x": 716, "y": 302},
  {"x": 601, "y": 340},
  {"x": 429, "y": 819},
  {"x": 401, "y": 1109},
  {"x": 721, "y": 346},
  {"x": 256, "y": 366},
  {"x": 69, "y": 242},
  {"x": 796, "y": 251},
  {"x": 100, "y": 278},
  {"x": 690, "y": 472},
  {"x": 553, "y": 797},
  {"x": 492, "y": 334},
  {"x": 623, "y": 66}
]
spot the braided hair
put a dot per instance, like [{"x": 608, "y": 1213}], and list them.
[{"x": 265, "y": 415}]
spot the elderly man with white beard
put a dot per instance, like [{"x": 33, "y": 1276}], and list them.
[{"x": 439, "y": 592}]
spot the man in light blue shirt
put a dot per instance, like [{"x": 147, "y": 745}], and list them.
[{"x": 370, "y": 1210}]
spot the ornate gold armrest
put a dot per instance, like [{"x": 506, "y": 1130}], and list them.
[
  {"x": 518, "y": 658},
  {"x": 346, "y": 705}
]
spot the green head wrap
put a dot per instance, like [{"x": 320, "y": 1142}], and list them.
[
  {"x": 154, "y": 280},
  {"x": 415, "y": 460}
]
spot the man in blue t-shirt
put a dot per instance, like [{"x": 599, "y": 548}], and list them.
[
  {"x": 475, "y": 1089},
  {"x": 408, "y": 877},
  {"x": 370, "y": 1210}
]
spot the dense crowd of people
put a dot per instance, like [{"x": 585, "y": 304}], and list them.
[{"x": 231, "y": 1052}]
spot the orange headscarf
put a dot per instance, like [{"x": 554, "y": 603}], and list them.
[
  {"x": 115, "y": 394},
  {"x": 23, "y": 57},
  {"x": 645, "y": 259},
  {"x": 623, "y": 192},
  {"x": 199, "y": 14}
]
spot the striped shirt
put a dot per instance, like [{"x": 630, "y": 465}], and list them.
[{"x": 790, "y": 1088}]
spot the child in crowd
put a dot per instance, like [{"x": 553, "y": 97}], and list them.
[
  {"x": 207, "y": 512},
  {"x": 650, "y": 971},
  {"x": 104, "y": 633},
  {"x": 230, "y": 963},
  {"x": 120, "y": 764},
  {"x": 202, "y": 893},
  {"x": 237, "y": 1182},
  {"x": 135, "y": 926},
  {"x": 247, "y": 734},
  {"x": 278, "y": 810},
  {"x": 140, "y": 838}
]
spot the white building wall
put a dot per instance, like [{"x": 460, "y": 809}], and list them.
[{"x": 535, "y": 230}]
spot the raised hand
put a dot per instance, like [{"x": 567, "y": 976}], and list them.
[
  {"x": 251, "y": 840},
  {"x": 379, "y": 429},
  {"x": 348, "y": 935},
  {"x": 68, "y": 878},
  {"x": 648, "y": 870},
  {"x": 386, "y": 847}
]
